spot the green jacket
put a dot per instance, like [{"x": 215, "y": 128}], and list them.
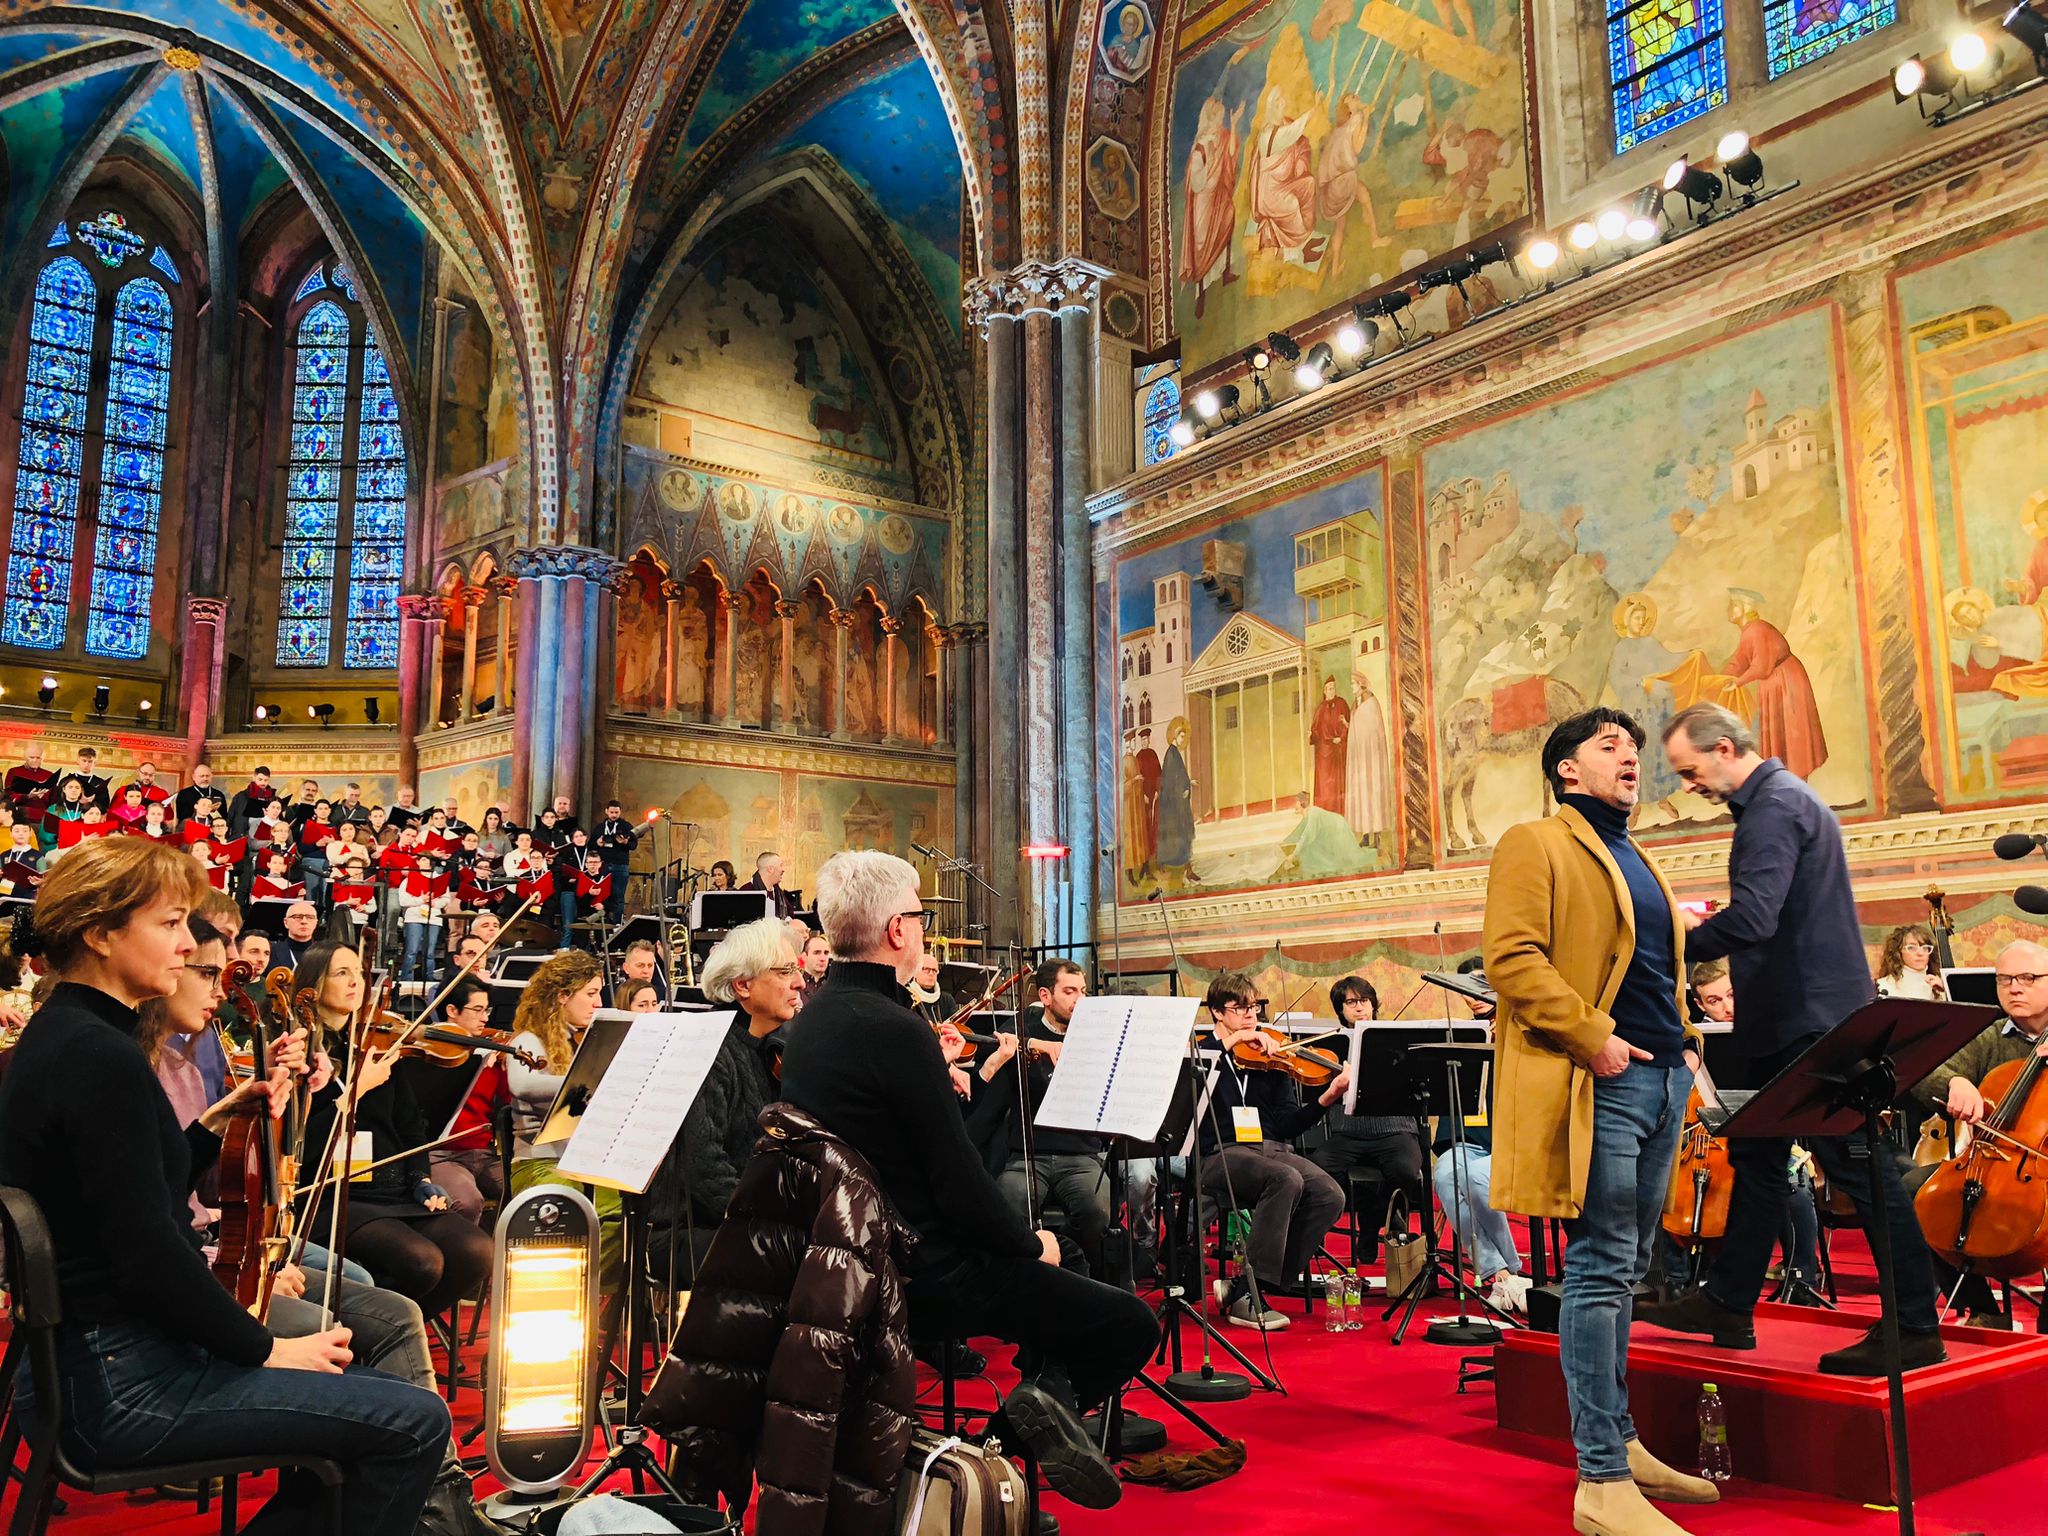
[{"x": 1974, "y": 1062}]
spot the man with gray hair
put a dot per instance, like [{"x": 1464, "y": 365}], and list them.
[
  {"x": 1794, "y": 946},
  {"x": 871, "y": 1072}
]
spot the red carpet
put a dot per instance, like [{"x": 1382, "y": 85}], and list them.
[{"x": 1373, "y": 1437}]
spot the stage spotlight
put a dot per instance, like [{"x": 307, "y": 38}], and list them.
[
  {"x": 1226, "y": 398},
  {"x": 1541, "y": 253},
  {"x": 324, "y": 713},
  {"x": 1583, "y": 236},
  {"x": 1969, "y": 52},
  {"x": 1207, "y": 406},
  {"x": 46, "y": 693},
  {"x": 142, "y": 710},
  {"x": 1740, "y": 163},
  {"x": 1283, "y": 346},
  {"x": 102, "y": 695},
  {"x": 1612, "y": 223},
  {"x": 1317, "y": 369},
  {"x": 372, "y": 709},
  {"x": 1389, "y": 306},
  {"x": 1182, "y": 433},
  {"x": 1701, "y": 189},
  {"x": 1643, "y": 217},
  {"x": 2029, "y": 29},
  {"x": 540, "y": 1400},
  {"x": 1355, "y": 338},
  {"x": 1257, "y": 359}
]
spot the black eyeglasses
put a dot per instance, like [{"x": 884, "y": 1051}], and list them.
[
  {"x": 207, "y": 973},
  {"x": 920, "y": 914}
]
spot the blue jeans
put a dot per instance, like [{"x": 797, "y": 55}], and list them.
[
  {"x": 565, "y": 906},
  {"x": 615, "y": 903},
  {"x": 419, "y": 945},
  {"x": 1487, "y": 1236},
  {"x": 313, "y": 871},
  {"x": 139, "y": 1397},
  {"x": 317, "y": 1258},
  {"x": 1636, "y": 1119}
]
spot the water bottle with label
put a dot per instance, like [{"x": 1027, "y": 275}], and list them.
[
  {"x": 1354, "y": 1301},
  {"x": 1717, "y": 1461},
  {"x": 1333, "y": 1302}
]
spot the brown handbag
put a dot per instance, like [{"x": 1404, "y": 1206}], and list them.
[{"x": 954, "y": 1487}]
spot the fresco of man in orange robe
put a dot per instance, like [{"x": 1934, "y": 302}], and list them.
[
  {"x": 1787, "y": 718},
  {"x": 1211, "y": 200},
  {"x": 1329, "y": 735}
]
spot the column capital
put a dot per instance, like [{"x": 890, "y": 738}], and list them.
[
  {"x": 423, "y": 606},
  {"x": 472, "y": 597},
  {"x": 530, "y": 561},
  {"x": 207, "y": 610},
  {"x": 1033, "y": 288},
  {"x": 673, "y": 591},
  {"x": 785, "y": 608},
  {"x": 891, "y": 626},
  {"x": 841, "y": 618}
]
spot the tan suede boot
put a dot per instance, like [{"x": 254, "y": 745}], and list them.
[
  {"x": 1619, "y": 1509},
  {"x": 1668, "y": 1483}
]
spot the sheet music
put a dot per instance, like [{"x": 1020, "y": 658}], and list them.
[
  {"x": 1119, "y": 1066},
  {"x": 638, "y": 1108}
]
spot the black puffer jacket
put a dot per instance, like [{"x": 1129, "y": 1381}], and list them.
[{"x": 793, "y": 1362}]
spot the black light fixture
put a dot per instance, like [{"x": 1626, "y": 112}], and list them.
[
  {"x": 142, "y": 710},
  {"x": 371, "y": 708},
  {"x": 324, "y": 713},
  {"x": 1542, "y": 254},
  {"x": 46, "y": 693},
  {"x": 1645, "y": 216},
  {"x": 1257, "y": 358},
  {"x": 1451, "y": 274},
  {"x": 2029, "y": 29},
  {"x": 1700, "y": 189},
  {"x": 1389, "y": 306},
  {"x": 1740, "y": 163},
  {"x": 1316, "y": 369},
  {"x": 102, "y": 695},
  {"x": 486, "y": 704},
  {"x": 1358, "y": 336},
  {"x": 1283, "y": 346},
  {"x": 1210, "y": 404},
  {"x": 1182, "y": 432}
]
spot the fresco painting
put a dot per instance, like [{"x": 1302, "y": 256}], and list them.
[
  {"x": 476, "y": 787},
  {"x": 1676, "y": 534},
  {"x": 1253, "y": 708},
  {"x": 1974, "y": 329},
  {"x": 1321, "y": 147}
]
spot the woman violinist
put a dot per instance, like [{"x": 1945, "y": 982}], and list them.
[
  {"x": 399, "y": 1223},
  {"x": 161, "y": 1363}
]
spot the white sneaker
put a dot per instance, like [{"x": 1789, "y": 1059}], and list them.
[
  {"x": 1511, "y": 1293},
  {"x": 1243, "y": 1314}
]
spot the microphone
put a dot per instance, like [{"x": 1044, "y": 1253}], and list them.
[
  {"x": 1157, "y": 893},
  {"x": 2032, "y": 898},
  {"x": 930, "y": 853},
  {"x": 2017, "y": 845}
]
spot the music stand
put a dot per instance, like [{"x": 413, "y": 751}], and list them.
[
  {"x": 723, "y": 911},
  {"x": 1842, "y": 1084}
]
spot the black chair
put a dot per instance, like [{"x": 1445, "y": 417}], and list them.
[{"x": 36, "y": 1312}]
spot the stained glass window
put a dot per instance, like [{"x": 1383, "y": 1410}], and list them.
[
  {"x": 377, "y": 542},
  {"x": 62, "y": 236},
  {"x": 1162, "y": 410},
  {"x": 1666, "y": 63},
  {"x": 1797, "y": 32},
  {"x": 131, "y": 472},
  {"x": 312, "y": 505},
  {"x": 46, "y": 482},
  {"x": 161, "y": 260},
  {"x": 333, "y": 412},
  {"x": 315, "y": 281},
  {"x": 111, "y": 237},
  {"x": 346, "y": 283}
]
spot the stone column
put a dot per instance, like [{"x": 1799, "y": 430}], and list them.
[
  {"x": 524, "y": 690},
  {"x": 571, "y": 697},
  {"x": 672, "y": 607},
  {"x": 473, "y": 599},
  {"x": 728, "y": 658},
  {"x": 943, "y": 642},
  {"x": 785, "y": 683},
  {"x": 436, "y": 655},
  {"x": 506, "y": 590},
  {"x": 200, "y": 674},
  {"x": 892, "y": 661},
  {"x": 555, "y": 727},
  {"x": 1035, "y": 321},
  {"x": 842, "y": 630},
  {"x": 416, "y": 610}
]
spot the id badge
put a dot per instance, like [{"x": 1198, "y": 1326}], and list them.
[{"x": 1245, "y": 1121}]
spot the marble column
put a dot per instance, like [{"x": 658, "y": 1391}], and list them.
[
  {"x": 555, "y": 730},
  {"x": 473, "y": 599},
  {"x": 433, "y": 660},
  {"x": 672, "y": 593},
  {"x": 785, "y": 683},
  {"x": 1035, "y": 766},
  {"x": 889, "y": 726},
  {"x": 842, "y": 632},
  {"x": 728, "y": 658},
  {"x": 506, "y": 590},
  {"x": 523, "y": 691},
  {"x": 943, "y": 642},
  {"x": 200, "y": 674},
  {"x": 416, "y": 610}
]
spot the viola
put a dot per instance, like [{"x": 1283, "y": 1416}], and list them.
[
  {"x": 257, "y": 1178},
  {"x": 1299, "y": 1060},
  {"x": 1702, "y": 1181},
  {"x": 1986, "y": 1209}
]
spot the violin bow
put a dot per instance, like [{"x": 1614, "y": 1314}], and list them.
[{"x": 468, "y": 967}]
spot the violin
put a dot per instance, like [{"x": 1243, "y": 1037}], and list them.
[
  {"x": 257, "y": 1178},
  {"x": 443, "y": 1045},
  {"x": 1986, "y": 1209},
  {"x": 958, "y": 1022},
  {"x": 1702, "y": 1181},
  {"x": 1299, "y": 1060}
]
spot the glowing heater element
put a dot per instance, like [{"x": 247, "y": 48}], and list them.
[
  {"x": 1044, "y": 850},
  {"x": 540, "y": 1404}
]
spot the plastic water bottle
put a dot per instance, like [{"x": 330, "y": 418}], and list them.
[
  {"x": 1354, "y": 1301},
  {"x": 1717, "y": 1462},
  {"x": 1333, "y": 1302}
]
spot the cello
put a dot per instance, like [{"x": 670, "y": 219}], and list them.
[
  {"x": 1985, "y": 1210},
  {"x": 256, "y": 1178}
]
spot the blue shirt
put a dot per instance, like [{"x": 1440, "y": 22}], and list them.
[
  {"x": 1790, "y": 931},
  {"x": 1646, "y": 1008}
]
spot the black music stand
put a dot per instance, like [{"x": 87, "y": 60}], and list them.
[{"x": 1842, "y": 1084}]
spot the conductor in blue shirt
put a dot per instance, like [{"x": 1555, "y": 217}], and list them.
[{"x": 1794, "y": 947}]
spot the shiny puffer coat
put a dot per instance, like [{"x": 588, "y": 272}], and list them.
[{"x": 792, "y": 1363}]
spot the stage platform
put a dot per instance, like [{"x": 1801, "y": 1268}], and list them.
[{"x": 1794, "y": 1427}]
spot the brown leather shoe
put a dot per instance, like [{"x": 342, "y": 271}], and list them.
[
  {"x": 1668, "y": 1483},
  {"x": 1619, "y": 1509}
]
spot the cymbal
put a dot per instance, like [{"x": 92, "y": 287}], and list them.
[{"x": 945, "y": 901}]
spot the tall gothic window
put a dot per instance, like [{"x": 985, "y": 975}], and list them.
[
  {"x": 1666, "y": 64},
  {"x": 99, "y": 366},
  {"x": 1162, "y": 410},
  {"x": 344, "y": 487},
  {"x": 1798, "y": 32}
]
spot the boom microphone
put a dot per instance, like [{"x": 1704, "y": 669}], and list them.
[
  {"x": 933, "y": 853},
  {"x": 2017, "y": 845},
  {"x": 2032, "y": 898}
]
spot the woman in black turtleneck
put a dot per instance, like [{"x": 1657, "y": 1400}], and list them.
[{"x": 159, "y": 1362}]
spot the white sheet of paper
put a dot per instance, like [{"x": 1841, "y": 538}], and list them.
[
  {"x": 1119, "y": 1066},
  {"x": 638, "y": 1108}
]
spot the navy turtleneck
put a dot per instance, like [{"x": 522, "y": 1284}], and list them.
[{"x": 1646, "y": 1008}]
